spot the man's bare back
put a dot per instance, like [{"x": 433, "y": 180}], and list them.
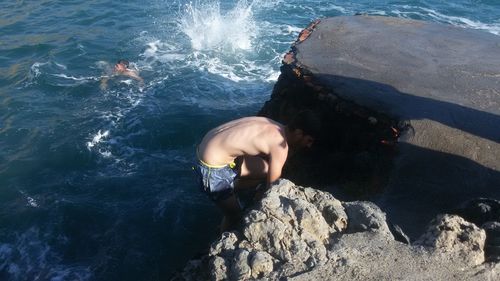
[
  {"x": 259, "y": 145},
  {"x": 249, "y": 136}
]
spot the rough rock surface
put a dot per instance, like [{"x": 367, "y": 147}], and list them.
[
  {"x": 484, "y": 212},
  {"x": 409, "y": 107},
  {"x": 304, "y": 234}
]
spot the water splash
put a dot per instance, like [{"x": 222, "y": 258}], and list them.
[
  {"x": 208, "y": 28},
  {"x": 221, "y": 40}
]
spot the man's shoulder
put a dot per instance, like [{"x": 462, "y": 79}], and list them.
[{"x": 258, "y": 119}]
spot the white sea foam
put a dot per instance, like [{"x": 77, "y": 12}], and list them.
[
  {"x": 30, "y": 254},
  {"x": 70, "y": 77},
  {"x": 61, "y": 65},
  {"x": 209, "y": 28},
  {"x": 104, "y": 65},
  {"x": 31, "y": 201},
  {"x": 163, "y": 52},
  {"x": 292, "y": 29},
  {"x": 223, "y": 41},
  {"x": 464, "y": 22},
  {"x": 35, "y": 70},
  {"x": 340, "y": 9},
  {"x": 105, "y": 153},
  {"x": 55, "y": 73},
  {"x": 97, "y": 138},
  {"x": 440, "y": 17},
  {"x": 116, "y": 150},
  {"x": 231, "y": 65},
  {"x": 81, "y": 48}
]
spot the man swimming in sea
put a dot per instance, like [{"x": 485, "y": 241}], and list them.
[
  {"x": 246, "y": 153},
  {"x": 122, "y": 68}
]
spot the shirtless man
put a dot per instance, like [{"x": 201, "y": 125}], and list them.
[
  {"x": 121, "y": 68},
  {"x": 246, "y": 152}
]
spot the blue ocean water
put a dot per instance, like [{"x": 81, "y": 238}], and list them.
[{"x": 97, "y": 184}]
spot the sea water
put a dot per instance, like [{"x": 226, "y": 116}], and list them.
[{"x": 97, "y": 184}]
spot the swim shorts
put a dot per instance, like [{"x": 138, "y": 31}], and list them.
[{"x": 216, "y": 181}]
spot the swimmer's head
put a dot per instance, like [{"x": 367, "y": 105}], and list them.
[{"x": 121, "y": 65}]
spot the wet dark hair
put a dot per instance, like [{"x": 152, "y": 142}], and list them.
[
  {"x": 124, "y": 62},
  {"x": 308, "y": 121}
]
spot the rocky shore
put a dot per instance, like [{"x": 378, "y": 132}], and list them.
[
  {"x": 301, "y": 233},
  {"x": 411, "y": 113}
]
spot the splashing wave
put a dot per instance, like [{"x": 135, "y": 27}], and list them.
[{"x": 210, "y": 29}]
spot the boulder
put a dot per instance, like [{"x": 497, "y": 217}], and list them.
[
  {"x": 456, "y": 238},
  {"x": 301, "y": 233},
  {"x": 411, "y": 109}
]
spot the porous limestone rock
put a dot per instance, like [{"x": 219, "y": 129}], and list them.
[
  {"x": 456, "y": 238},
  {"x": 261, "y": 264},
  {"x": 293, "y": 224},
  {"x": 366, "y": 216},
  {"x": 305, "y": 234}
]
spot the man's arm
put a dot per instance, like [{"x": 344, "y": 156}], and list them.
[
  {"x": 277, "y": 159},
  {"x": 134, "y": 75}
]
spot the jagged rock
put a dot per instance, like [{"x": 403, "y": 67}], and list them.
[
  {"x": 240, "y": 269},
  {"x": 226, "y": 244},
  {"x": 455, "y": 237},
  {"x": 305, "y": 234},
  {"x": 366, "y": 216},
  {"x": 492, "y": 247},
  {"x": 218, "y": 268},
  {"x": 261, "y": 264},
  {"x": 372, "y": 256},
  {"x": 480, "y": 210},
  {"x": 290, "y": 227},
  {"x": 485, "y": 213}
]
